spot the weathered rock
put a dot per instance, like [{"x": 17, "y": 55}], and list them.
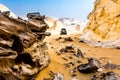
[
  {"x": 64, "y": 39},
  {"x": 58, "y": 38},
  {"x": 35, "y": 15},
  {"x": 103, "y": 28},
  {"x": 70, "y": 64},
  {"x": 92, "y": 66},
  {"x": 110, "y": 66},
  {"x": 106, "y": 76},
  {"x": 80, "y": 53},
  {"x": 6, "y": 13},
  {"x": 68, "y": 39},
  {"x": 58, "y": 76},
  {"x": 55, "y": 76},
  {"x": 68, "y": 48},
  {"x": 21, "y": 47}
]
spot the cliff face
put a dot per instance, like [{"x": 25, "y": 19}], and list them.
[{"x": 103, "y": 28}]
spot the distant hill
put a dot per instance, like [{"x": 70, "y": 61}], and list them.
[{"x": 72, "y": 26}]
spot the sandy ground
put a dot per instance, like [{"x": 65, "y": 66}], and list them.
[{"x": 58, "y": 62}]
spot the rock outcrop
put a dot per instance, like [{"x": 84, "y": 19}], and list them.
[
  {"x": 22, "y": 50},
  {"x": 103, "y": 28}
]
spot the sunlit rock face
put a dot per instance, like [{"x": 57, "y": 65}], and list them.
[
  {"x": 22, "y": 50},
  {"x": 73, "y": 26},
  {"x": 103, "y": 28},
  {"x": 4, "y": 8}
]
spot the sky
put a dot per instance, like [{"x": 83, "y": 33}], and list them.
[{"x": 55, "y": 8}]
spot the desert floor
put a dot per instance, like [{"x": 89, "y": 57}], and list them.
[{"x": 58, "y": 62}]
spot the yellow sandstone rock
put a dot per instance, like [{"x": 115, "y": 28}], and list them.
[{"x": 103, "y": 28}]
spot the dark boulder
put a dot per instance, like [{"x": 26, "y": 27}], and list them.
[
  {"x": 68, "y": 48},
  {"x": 35, "y": 15},
  {"x": 92, "y": 66},
  {"x": 106, "y": 76},
  {"x": 68, "y": 39}
]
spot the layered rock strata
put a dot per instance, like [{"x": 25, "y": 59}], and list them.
[
  {"x": 22, "y": 50},
  {"x": 103, "y": 28}
]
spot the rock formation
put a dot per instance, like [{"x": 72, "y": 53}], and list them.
[
  {"x": 103, "y": 28},
  {"x": 22, "y": 50}
]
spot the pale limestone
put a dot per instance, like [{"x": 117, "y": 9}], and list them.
[{"x": 103, "y": 28}]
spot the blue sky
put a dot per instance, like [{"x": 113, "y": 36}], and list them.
[{"x": 56, "y": 8}]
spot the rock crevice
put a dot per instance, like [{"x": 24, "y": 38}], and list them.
[{"x": 22, "y": 50}]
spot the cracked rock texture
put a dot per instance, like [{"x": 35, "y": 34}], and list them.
[
  {"x": 103, "y": 28},
  {"x": 22, "y": 50}
]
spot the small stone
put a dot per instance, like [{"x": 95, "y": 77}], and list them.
[
  {"x": 73, "y": 75},
  {"x": 52, "y": 47},
  {"x": 65, "y": 58},
  {"x": 58, "y": 53},
  {"x": 58, "y": 38},
  {"x": 68, "y": 48},
  {"x": 68, "y": 39},
  {"x": 71, "y": 63},
  {"x": 58, "y": 76},
  {"x": 106, "y": 76},
  {"x": 70, "y": 57},
  {"x": 78, "y": 61},
  {"x": 80, "y": 53},
  {"x": 109, "y": 65},
  {"x": 68, "y": 65},
  {"x": 81, "y": 41}
]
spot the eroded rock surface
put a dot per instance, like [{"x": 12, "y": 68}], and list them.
[
  {"x": 103, "y": 28},
  {"x": 106, "y": 76},
  {"x": 69, "y": 48},
  {"x": 22, "y": 50},
  {"x": 55, "y": 76},
  {"x": 92, "y": 66}
]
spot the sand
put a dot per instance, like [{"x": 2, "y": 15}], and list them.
[{"x": 58, "y": 62}]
